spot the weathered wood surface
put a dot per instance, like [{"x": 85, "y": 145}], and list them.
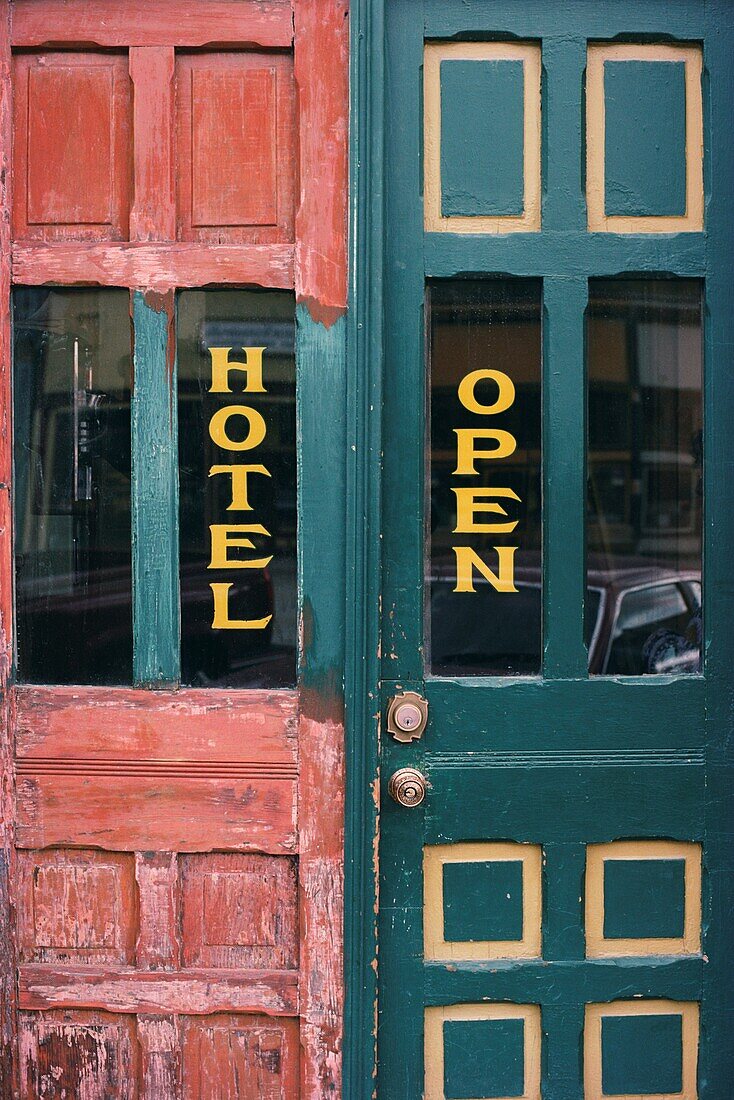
[
  {"x": 110, "y": 24},
  {"x": 193, "y": 992},
  {"x": 153, "y": 212},
  {"x": 158, "y": 267},
  {"x": 203, "y": 725},
  {"x": 72, "y": 142},
  {"x": 243, "y": 103}
]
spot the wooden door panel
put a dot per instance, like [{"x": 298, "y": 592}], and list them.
[
  {"x": 72, "y": 142},
  {"x": 236, "y": 155},
  {"x": 90, "y": 1054},
  {"x": 181, "y": 771}
]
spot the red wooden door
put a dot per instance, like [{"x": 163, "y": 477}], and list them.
[{"x": 171, "y": 858}]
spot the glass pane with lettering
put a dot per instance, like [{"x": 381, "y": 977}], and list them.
[
  {"x": 483, "y": 566},
  {"x": 237, "y": 466},
  {"x": 645, "y": 478},
  {"x": 73, "y": 591}
]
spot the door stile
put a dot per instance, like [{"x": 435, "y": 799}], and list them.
[
  {"x": 365, "y": 328},
  {"x": 718, "y": 981},
  {"x": 8, "y": 961},
  {"x": 321, "y": 73},
  {"x": 564, "y": 477}
]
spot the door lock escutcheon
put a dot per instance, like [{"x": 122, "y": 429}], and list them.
[{"x": 407, "y": 716}]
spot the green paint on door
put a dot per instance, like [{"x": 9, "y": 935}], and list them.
[
  {"x": 483, "y": 1058},
  {"x": 483, "y": 901},
  {"x": 645, "y": 138},
  {"x": 644, "y": 898},
  {"x": 642, "y": 1055},
  {"x": 482, "y": 138}
]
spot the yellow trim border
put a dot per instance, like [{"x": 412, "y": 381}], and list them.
[
  {"x": 433, "y": 1038},
  {"x": 597, "y": 945},
  {"x": 689, "y": 1010},
  {"x": 435, "y": 53},
  {"x": 435, "y": 947},
  {"x": 692, "y": 220}
]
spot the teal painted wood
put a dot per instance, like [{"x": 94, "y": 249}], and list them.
[
  {"x": 645, "y": 138},
  {"x": 320, "y": 358},
  {"x": 483, "y": 901},
  {"x": 482, "y": 105},
  {"x": 644, "y": 898},
  {"x": 642, "y": 1056},
  {"x": 154, "y": 492},
  {"x": 496, "y": 1070},
  {"x": 718, "y": 1077},
  {"x": 564, "y": 477},
  {"x": 363, "y": 524},
  {"x": 568, "y": 761}
]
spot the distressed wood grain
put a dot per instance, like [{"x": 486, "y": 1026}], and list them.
[
  {"x": 157, "y": 267},
  {"x": 72, "y": 138},
  {"x": 192, "y": 992},
  {"x": 109, "y": 24},
  {"x": 203, "y": 725},
  {"x": 243, "y": 103},
  {"x": 159, "y": 938},
  {"x": 160, "y": 1057},
  {"x": 322, "y": 46},
  {"x": 153, "y": 211}
]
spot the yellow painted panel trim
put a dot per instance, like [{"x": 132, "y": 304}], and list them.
[
  {"x": 689, "y": 1010},
  {"x": 433, "y": 1038},
  {"x": 435, "y": 947},
  {"x": 692, "y": 220},
  {"x": 435, "y": 53},
  {"x": 599, "y": 947}
]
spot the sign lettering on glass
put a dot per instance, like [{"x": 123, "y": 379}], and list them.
[
  {"x": 225, "y": 429},
  {"x": 484, "y": 444}
]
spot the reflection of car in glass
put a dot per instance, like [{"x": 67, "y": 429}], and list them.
[{"x": 641, "y": 617}]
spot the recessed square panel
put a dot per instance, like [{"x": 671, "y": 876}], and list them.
[
  {"x": 482, "y": 109},
  {"x": 643, "y": 897},
  {"x": 482, "y": 137},
  {"x": 482, "y": 901},
  {"x": 482, "y": 1052},
  {"x": 644, "y": 137},
  {"x": 635, "y": 1049}
]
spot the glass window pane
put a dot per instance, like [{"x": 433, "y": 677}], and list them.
[
  {"x": 72, "y": 372},
  {"x": 645, "y": 358},
  {"x": 237, "y": 465},
  {"x": 483, "y": 566}
]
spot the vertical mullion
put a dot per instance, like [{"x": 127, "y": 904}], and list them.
[
  {"x": 564, "y": 477},
  {"x": 154, "y": 493}
]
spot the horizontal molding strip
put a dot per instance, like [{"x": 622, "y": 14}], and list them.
[
  {"x": 602, "y": 758},
  {"x": 112, "y": 23},
  {"x": 188, "y": 769},
  {"x": 152, "y": 266},
  {"x": 192, "y": 992}
]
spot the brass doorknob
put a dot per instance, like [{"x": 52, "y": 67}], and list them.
[{"x": 408, "y": 787}]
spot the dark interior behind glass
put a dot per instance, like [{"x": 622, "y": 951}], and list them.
[
  {"x": 474, "y": 325},
  {"x": 263, "y": 657},
  {"x": 72, "y": 372},
  {"x": 645, "y": 478}
]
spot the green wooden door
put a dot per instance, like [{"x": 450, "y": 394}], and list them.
[{"x": 558, "y": 392}]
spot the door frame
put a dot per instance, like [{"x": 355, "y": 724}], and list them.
[{"x": 365, "y": 326}]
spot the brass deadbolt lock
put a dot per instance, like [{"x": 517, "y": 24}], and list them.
[
  {"x": 407, "y": 715},
  {"x": 408, "y": 787}
]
